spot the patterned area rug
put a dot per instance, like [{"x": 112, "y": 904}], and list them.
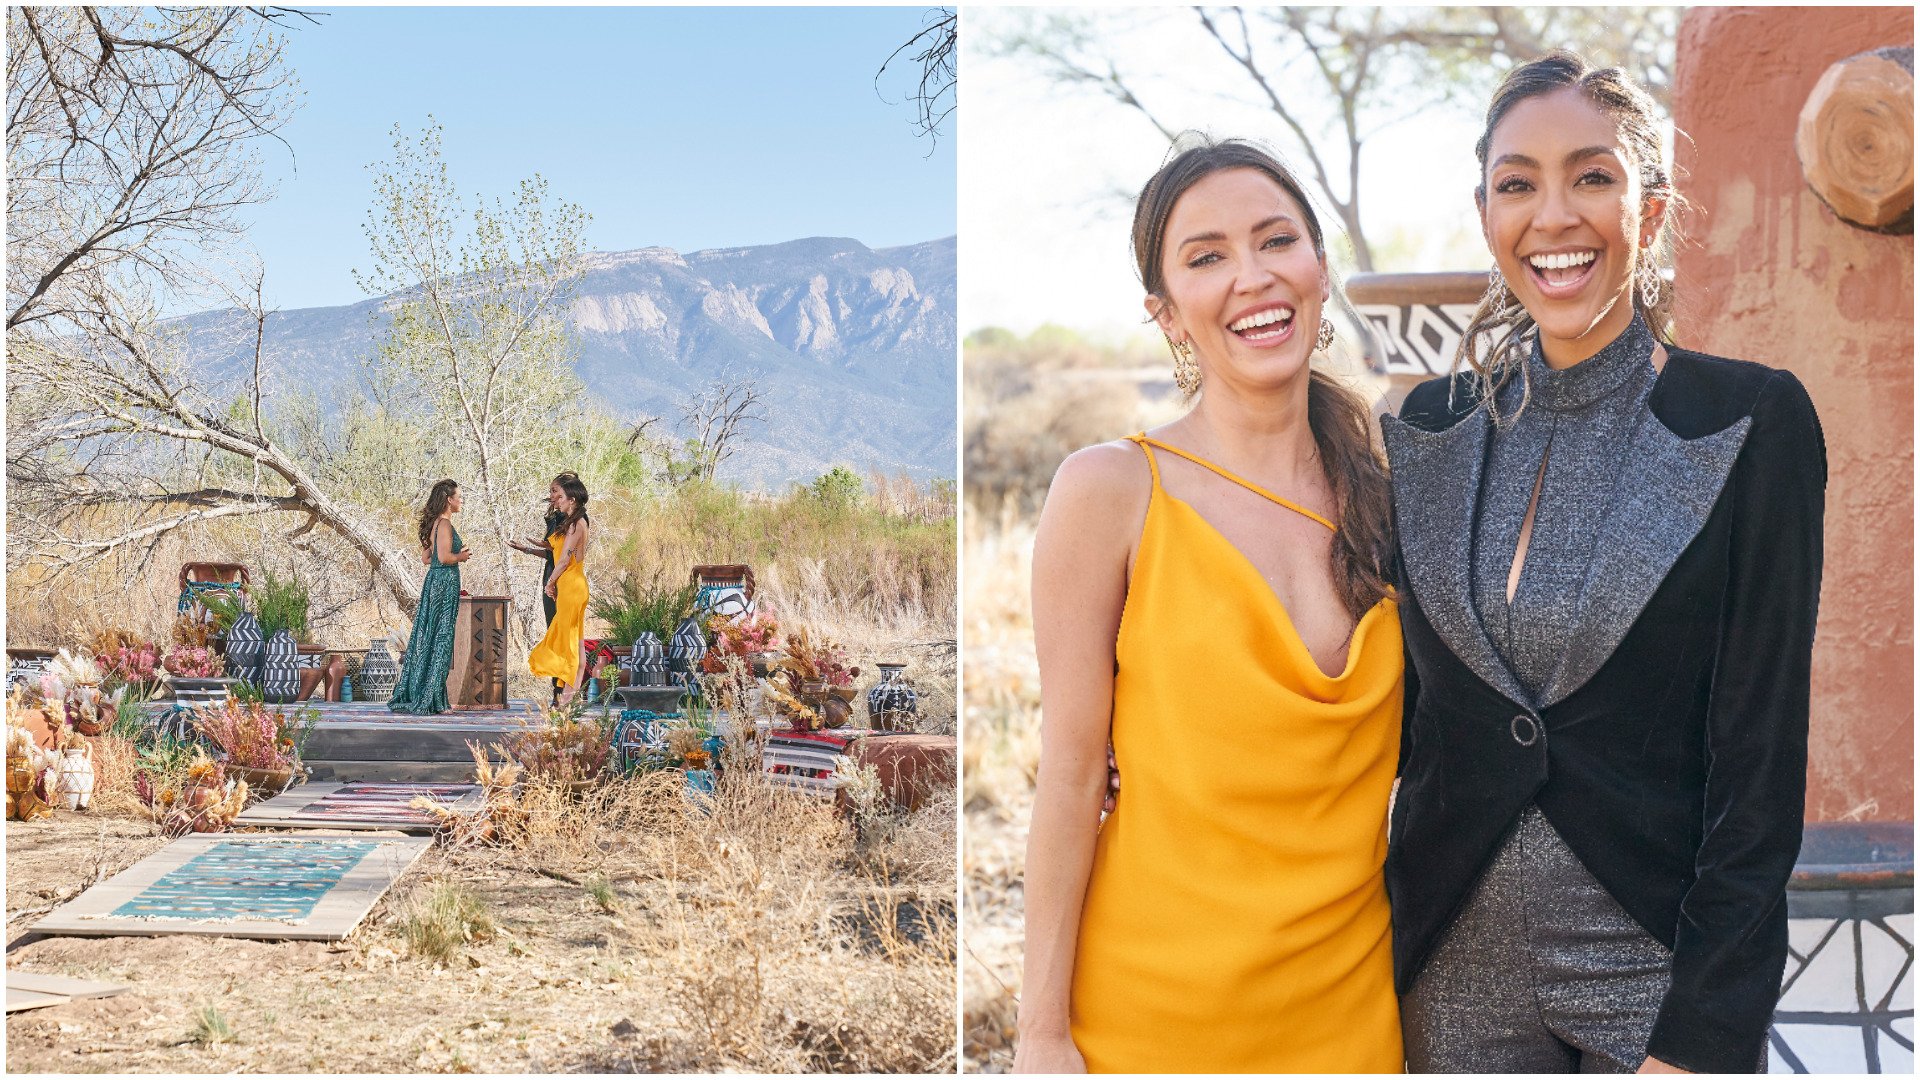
[
  {"x": 243, "y": 886},
  {"x": 360, "y": 806}
]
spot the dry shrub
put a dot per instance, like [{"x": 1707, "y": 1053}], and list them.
[
  {"x": 1002, "y": 757},
  {"x": 750, "y": 909},
  {"x": 114, "y": 764},
  {"x": 1032, "y": 401},
  {"x": 440, "y": 919}
]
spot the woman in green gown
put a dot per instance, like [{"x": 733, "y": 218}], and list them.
[{"x": 422, "y": 688}]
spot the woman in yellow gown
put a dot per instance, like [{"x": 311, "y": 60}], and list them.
[
  {"x": 1240, "y": 650},
  {"x": 559, "y": 655}
]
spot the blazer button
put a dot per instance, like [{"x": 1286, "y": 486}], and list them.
[{"x": 1525, "y": 731}]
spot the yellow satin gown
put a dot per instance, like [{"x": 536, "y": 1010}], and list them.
[
  {"x": 1236, "y": 917},
  {"x": 558, "y": 654}
]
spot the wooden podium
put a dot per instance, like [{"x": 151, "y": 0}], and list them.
[{"x": 478, "y": 677}]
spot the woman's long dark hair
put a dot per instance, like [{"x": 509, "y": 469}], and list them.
[
  {"x": 576, "y": 491},
  {"x": 436, "y": 505},
  {"x": 1342, "y": 429}
]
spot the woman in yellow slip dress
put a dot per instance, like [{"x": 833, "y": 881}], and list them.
[
  {"x": 1211, "y": 599},
  {"x": 559, "y": 656}
]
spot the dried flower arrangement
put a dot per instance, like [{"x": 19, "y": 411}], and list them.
[
  {"x": 812, "y": 685},
  {"x": 29, "y": 768},
  {"x": 567, "y": 748},
  {"x": 757, "y": 633},
  {"x": 205, "y": 802},
  {"x": 66, "y": 673},
  {"x": 190, "y": 631},
  {"x": 132, "y": 664},
  {"x": 253, "y": 736},
  {"x": 193, "y": 662}
]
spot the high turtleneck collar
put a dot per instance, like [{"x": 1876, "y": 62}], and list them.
[{"x": 1595, "y": 377}]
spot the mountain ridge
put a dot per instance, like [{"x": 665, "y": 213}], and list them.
[{"x": 854, "y": 347}]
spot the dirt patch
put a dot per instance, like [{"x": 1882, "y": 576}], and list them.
[{"x": 714, "y": 940}]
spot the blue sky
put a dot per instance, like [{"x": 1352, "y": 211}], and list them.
[{"x": 682, "y": 127}]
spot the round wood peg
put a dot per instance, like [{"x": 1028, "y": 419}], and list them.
[{"x": 1855, "y": 139}]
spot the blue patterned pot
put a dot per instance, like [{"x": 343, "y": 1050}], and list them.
[{"x": 378, "y": 672}]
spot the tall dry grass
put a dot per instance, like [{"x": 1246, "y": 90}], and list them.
[{"x": 777, "y": 936}]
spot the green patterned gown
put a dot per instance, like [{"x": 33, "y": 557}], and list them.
[{"x": 422, "y": 688}]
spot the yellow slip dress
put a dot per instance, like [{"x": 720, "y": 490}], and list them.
[
  {"x": 558, "y": 654},
  {"x": 1236, "y": 917}
]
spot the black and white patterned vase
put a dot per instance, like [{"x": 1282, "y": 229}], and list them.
[
  {"x": 648, "y": 661},
  {"x": 280, "y": 668},
  {"x": 892, "y": 702},
  {"x": 378, "y": 673},
  {"x": 688, "y": 646},
  {"x": 728, "y": 600},
  {"x": 193, "y": 693},
  {"x": 246, "y": 647}
]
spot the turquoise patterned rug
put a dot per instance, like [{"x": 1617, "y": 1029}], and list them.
[{"x": 282, "y": 882}]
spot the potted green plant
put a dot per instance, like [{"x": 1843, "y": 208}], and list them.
[{"x": 281, "y": 604}]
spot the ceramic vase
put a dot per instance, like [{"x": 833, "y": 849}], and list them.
[
  {"x": 73, "y": 780},
  {"x": 245, "y": 648},
  {"x": 688, "y": 647},
  {"x": 378, "y": 673},
  {"x": 280, "y": 668},
  {"x": 192, "y": 693},
  {"x": 648, "y": 660},
  {"x": 892, "y": 702}
]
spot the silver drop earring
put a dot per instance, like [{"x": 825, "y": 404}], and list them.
[
  {"x": 1647, "y": 276},
  {"x": 1497, "y": 292}
]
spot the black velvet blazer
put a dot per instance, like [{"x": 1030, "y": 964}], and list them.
[{"x": 1670, "y": 749}]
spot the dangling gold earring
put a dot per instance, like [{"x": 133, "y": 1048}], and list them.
[
  {"x": 1186, "y": 371},
  {"x": 1325, "y": 339}
]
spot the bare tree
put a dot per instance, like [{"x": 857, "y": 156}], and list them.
[
  {"x": 130, "y": 141},
  {"x": 935, "y": 52},
  {"x": 715, "y": 419},
  {"x": 129, "y": 146},
  {"x": 1336, "y": 76},
  {"x": 98, "y": 467}
]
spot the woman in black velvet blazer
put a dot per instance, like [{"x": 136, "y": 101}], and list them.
[{"x": 1665, "y": 741}]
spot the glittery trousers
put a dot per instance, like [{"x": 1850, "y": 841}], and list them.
[{"x": 1542, "y": 972}]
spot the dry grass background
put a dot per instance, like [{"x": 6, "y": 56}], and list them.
[{"x": 627, "y": 931}]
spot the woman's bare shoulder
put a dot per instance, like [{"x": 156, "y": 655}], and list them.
[
  {"x": 1105, "y": 470},
  {"x": 1103, "y": 488}
]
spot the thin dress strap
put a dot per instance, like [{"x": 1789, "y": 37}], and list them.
[
  {"x": 1141, "y": 441},
  {"x": 1255, "y": 488}
]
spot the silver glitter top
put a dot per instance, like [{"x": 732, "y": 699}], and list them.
[{"x": 1581, "y": 420}]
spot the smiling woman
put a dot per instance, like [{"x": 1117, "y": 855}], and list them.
[
  {"x": 1611, "y": 556},
  {"x": 1227, "y": 916}
]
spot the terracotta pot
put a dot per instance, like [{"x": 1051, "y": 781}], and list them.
[
  {"x": 268, "y": 782},
  {"x": 39, "y": 726}
]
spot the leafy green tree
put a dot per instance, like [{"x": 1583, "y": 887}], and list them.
[
  {"x": 478, "y": 330},
  {"x": 839, "y": 486}
]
